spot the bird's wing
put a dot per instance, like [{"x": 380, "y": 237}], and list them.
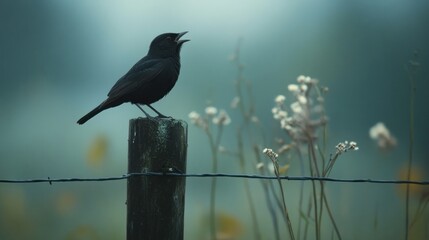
[{"x": 141, "y": 73}]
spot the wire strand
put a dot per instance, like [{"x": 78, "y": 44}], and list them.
[{"x": 210, "y": 175}]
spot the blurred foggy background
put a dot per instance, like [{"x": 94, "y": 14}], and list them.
[{"x": 59, "y": 59}]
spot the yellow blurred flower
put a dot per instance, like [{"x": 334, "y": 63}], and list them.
[
  {"x": 97, "y": 151},
  {"x": 229, "y": 227},
  {"x": 83, "y": 232},
  {"x": 416, "y": 174},
  {"x": 65, "y": 202},
  {"x": 15, "y": 216}
]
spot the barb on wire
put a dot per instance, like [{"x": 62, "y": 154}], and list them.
[{"x": 218, "y": 175}]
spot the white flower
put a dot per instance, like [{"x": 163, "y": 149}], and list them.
[
  {"x": 302, "y": 99},
  {"x": 300, "y": 79},
  {"x": 380, "y": 133},
  {"x": 197, "y": 120},
  {"x": 222, "y": 119},
  {"x": 271, "y": 167},
  {"x": 284, "y": 123},
  {"x": 280, "y": 99},
  {"x": 378, "y": 130},
  {"x": 270, "y": 153},
  {"x": 280, "y": 114},
  {"x": 275, "y": 110},
  {"x": 194, "y": 116},
  {"x": 259, "y": 165},
  {"x": 296, "y": 107},
  {"x": 282, "y": 169},
  {"x": 222, "y": 149},
  {"x": 343, "y": 147},
  {"x": 353, "y": 145},
  {"x": 288, "y": 127},
  {"x": 293, "y": 88},
  {"x": 254, "y": 119},
  {"x": 211, "y": 111},
  {"x": 235, "y": 101},
  {"x": 306, "y": 113}
]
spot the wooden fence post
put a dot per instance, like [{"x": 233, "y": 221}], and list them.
[{"x": 155, "y": 204}]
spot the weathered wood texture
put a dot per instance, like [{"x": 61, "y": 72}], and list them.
[{"x": 155, "y": 204}]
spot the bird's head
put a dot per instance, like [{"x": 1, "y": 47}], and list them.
[{"x": 167, "y": 45}]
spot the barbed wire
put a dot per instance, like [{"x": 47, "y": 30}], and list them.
[{"x": 209, "y": 175}]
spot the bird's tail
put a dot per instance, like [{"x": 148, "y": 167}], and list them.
[
  {"x": 108, "y": 103},
  {"x": 91, "y": 114}
]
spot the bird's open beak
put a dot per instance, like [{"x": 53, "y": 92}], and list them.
[{"x": 180, "y": 42}]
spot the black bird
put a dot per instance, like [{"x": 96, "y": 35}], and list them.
[{"x": 149, "y": 80}]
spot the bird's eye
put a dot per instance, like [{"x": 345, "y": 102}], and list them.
[{"x": 168, "y": 38}]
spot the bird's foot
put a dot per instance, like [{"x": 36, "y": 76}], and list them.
[
  {"x": 160, "y": 115},
  {"x": 145, "y": 113}
]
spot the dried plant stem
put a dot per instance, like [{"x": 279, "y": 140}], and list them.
[
  {"x": 271, "y": 209},
  {"x": 286, "y": 213},
  {"x": 312, "y": 171},
  {"x": 255, "y": 223},
  {"x": 289, "y": 223},
  {"x": 212, "y": 209},
  {"x": 267, "y": 197},
  {"x": 322, "y": 189},
  {"x": 214, "y": 146},
  {"x": 323, "y": 198},
  {"x": 267, "y": 186},
  {"x": 247, "y": 188},
  {"x": 322, "y": 155},
  {"x": 301, "y": 193},
  {"x": 337, "y": 231},
  {"x": 246, "y": 113},
  {"x": 325, "y": 174},
  {"x": 330, "y": 165},
  {"x": 308, "y": 216},
  {"x": 213, "y": 194},
  {"x": 411, "y": 71},
  {"x": 420, "y": 210},
  {"x": 315, "y": 209}
]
